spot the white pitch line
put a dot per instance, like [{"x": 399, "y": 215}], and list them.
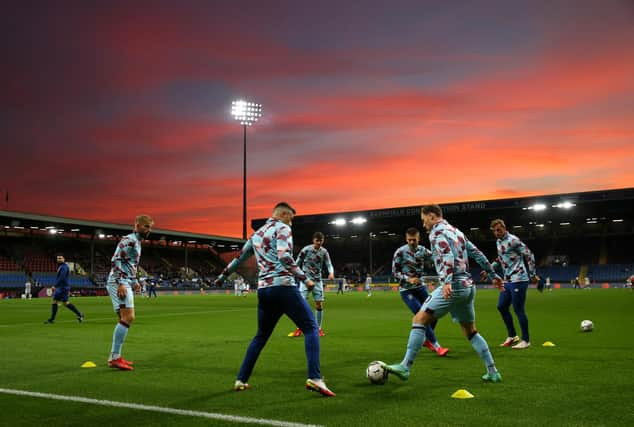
[
  {"x": 174, "y": 411},
  {"x": 89, "y": 319}
]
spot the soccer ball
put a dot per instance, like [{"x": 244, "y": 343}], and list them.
[
  {"x": 587, "y": 325},
  {"x": 375, "y": 373}
]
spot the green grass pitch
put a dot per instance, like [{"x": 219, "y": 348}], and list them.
[{"x": 187, "y": 351}]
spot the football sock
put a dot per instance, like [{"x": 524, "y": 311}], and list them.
[
  {"x": 53, "y": 311},
  {"x": 72, "y": 308},
  {"x": 118, "y": 337},
  {"x": 414, "y": 343},
  {"x": 319, "y": 315},
  {"x": 481, "y": 347}
]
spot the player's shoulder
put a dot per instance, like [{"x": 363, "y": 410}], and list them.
[
  {"x": 513, "y": 239},
  {"x": 283, "y": 227},
  {"x": 128, "y": 237}
]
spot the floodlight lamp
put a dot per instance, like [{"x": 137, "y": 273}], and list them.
[
  {"x": 52, "y": 231},
  {"x": 538, "y": 207},
  {"x": 359, "y": 220},
  {"x": 246, "y": 113},
  {"x": 338, "y": 222},
  {"x": 564, "y": 205}
]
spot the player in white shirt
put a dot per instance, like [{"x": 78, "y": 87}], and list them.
[{"x": 27, "y": 289}]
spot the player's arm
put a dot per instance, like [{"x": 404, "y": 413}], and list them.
[
  {"x": 300, "y": 258},
  {"x": 126, "y": 254},
  {"x": 494, "y": 265},
  {"x": 329, "y": 267},
  {"x": 479, "y": 257},
  {"x": 426, "y": 256},
  {"x": 397, "y": 267},
  {"x": 63, "y": 275},
  {"x": 528, "y": 257},
  {"x": 130, "y": 254},
  {"x": 444, "y": 263},
  {"x": 246, "y": 253}
]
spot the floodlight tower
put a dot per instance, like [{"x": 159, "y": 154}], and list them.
[{"x": 246, "y": 113}]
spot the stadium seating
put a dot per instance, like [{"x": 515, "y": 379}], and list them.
[
  {"x": 12, "y": 279},
  {"x": 7, "y": 264},
  {"x": 610, "y": 272}
]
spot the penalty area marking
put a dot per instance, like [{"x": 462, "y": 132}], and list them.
[{"x": 162, "y": 409}]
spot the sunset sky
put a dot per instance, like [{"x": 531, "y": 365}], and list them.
[{"x": 109, "y": 109}]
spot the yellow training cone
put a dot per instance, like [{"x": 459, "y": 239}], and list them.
[
  {"x": 89, "y": 364},
  {"x": 462, "y": 394},
  {"x": 548, "y": 344}
]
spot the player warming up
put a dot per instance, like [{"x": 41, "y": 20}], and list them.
[
  {"x": 121, "y": 281},
  {"x": 312, "y": 259},
  {"x": 512, "y": 256},
  {"x": 408, "y": 268},
  {"x": 61, "y": 291},
  {"x": 272, "y": 245},
  {"x": 455, "y": 295}
]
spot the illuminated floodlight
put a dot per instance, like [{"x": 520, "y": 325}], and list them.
[
  {"x": 52, "y": 230},
  {"x": 359, "y": 220},
  {"x": 592, "y": 221},
  {"x": 536, "y": 207},
  {"x": 338, "y": 222},
  {"x": 246, "y": 112},
  {"x": 617, "y": 220},
  {"x": 564, "y": 205},
  {"x": 540, "y": 225},
  {"x": 101, "y": 235},
  {"x": 74, "y": 230},
  {"x": 474, "y": 228},
  {"x": 564, "y": 223},
  {"x": 34, "y": 227},
  {"x": 518, "y": 226}
]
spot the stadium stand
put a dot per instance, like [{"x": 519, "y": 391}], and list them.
[{"x": 29, "y": 244}]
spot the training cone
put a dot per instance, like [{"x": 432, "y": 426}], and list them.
[
  {"x": 89, "y": 364},
  {"x": 462, "y": 394},
  {"x": 548, "y": 344}
]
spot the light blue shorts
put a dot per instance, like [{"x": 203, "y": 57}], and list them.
[
  {"x": 118, "y": 303},
  {"x": 317, "y": 291},
  {"x": 461, "y": 305}
]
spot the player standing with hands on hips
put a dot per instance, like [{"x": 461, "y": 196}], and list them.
[{"x": 121, "y": 281}]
